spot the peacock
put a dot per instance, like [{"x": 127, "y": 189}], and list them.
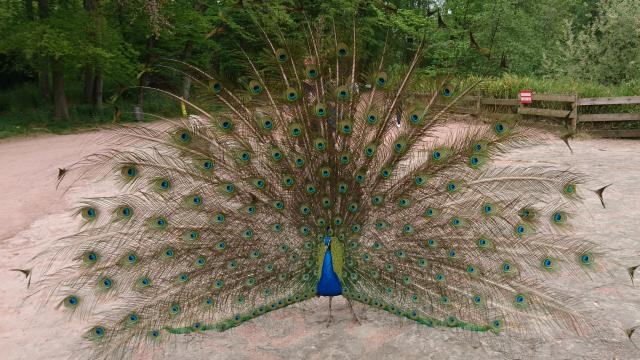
[{"x": 317, "y": 174}]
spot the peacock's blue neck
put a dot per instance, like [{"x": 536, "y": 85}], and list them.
[{"x": 329, "y": 284}]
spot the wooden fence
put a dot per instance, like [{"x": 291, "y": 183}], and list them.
[{"x": 477, "y": 105}]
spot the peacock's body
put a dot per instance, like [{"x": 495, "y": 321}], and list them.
[{"x": 321, "y": 177}]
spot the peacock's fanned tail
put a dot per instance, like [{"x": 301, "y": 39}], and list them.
[{"x": 221, "y": 215}]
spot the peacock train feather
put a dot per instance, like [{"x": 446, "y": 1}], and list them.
[{"x": 232, "y": 211}]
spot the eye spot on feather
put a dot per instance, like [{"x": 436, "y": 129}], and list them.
[
  {"x": 215, "y": 86},
  {"x": 200, "y": 262},
  {"x": 71, "y": 301},
  {"x": 89, "y": 213},
  {"x": 586, "y": 259},
  {"x": 129, "y": 172},
  {"x": 325, "y": 172},
  {"x": 174, "y": 309},
  {"x": 281, "y": 55},
  {"x": 248, "y": 233},
  {"x": 521, "y": 301},
  {"x": 98, "y": 333},
  {"x": 477, "y": 299},
  {"x": 341, "y": 50},
  {"x": 250, "y": 210},
  {"x": 295, "y": 130},
  {"x": 559, "y": 217},
  {"x": 452, "y": 187},
  {"x": 219, "y": 218},
  {"x": 407, "y": 229},
  {"x": 305, "y": 210},
  {"x": 196, "y": 200},
  {"x": 90, "y": 258},
  {"x": 106, "y": 283},
  {"x": 381, "y": 79},
  {"x": 569, "y": 189},
  {"x": 145, "y": 282},
  {"x": 183, "y": 136},
  {"x": 353, "y": 207}
]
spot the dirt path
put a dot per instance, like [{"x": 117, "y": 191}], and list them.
[{"x": 34, "y": 214}]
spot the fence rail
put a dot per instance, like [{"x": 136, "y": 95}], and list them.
[{"x": 477, "y": 105}]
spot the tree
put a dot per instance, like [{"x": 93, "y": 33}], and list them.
[{"x": 606, "y": 50}]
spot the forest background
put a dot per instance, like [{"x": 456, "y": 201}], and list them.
[{"x": 66, "y": 64}]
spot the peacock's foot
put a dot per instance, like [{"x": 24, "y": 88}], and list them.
[
  {"x": 329, "y": 320},
  {"x": 355, "y": 317}
]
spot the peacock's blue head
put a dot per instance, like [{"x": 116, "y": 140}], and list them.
[{"x": 327, "y": 240}]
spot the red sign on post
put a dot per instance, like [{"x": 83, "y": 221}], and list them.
[{"x": 526, "y": 96}]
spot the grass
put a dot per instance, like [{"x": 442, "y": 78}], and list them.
[{"x": 23, "y": 112}]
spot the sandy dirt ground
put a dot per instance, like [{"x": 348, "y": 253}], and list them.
[{"x": 33, "y": 214}]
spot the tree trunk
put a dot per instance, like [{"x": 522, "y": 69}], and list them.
[
  {"x": 28, "y": 8},
  {"x": 144, "y": 81},
  {"x": 61, "y": 109},
  {"x": 43, "y": 9},
  {"x": 43, "y": 73},
  {"x": 88, "y": 85},
  {"x": 186, "y": 79},
  {"x": 97, "y": 92},
  {"x": 44, "y": 84}
]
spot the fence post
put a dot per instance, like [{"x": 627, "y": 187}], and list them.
[{"x": 574, "y": 114}]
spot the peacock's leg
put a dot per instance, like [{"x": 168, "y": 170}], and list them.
[
  {"x": 355, "y": 317},
  {"x": 330, "y": 317}
]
